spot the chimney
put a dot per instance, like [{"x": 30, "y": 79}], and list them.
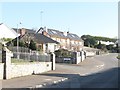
[
  {"x": 65, "y": 33},
  {"x": 45, "y": 29},
  {"x": 22, "y": 31},
  {"x": 44, "y": 33}
]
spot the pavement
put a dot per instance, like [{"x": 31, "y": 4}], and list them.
[{"x": 61, "y": 74}]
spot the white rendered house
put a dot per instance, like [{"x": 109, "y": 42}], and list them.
[{"x": 6, "y": 32}]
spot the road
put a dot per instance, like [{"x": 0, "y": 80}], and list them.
[
  {"x": 102, "y": 73},
  {"x": 94, "y": 72}
]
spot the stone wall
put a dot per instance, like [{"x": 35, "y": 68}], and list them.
[
  {"x": 1, "y": 70},
  {"x": 77, "y": 58},
  {"x": 88, "y": 54},
  {"x": 18, "y": 70},
  {"x": 10, "y": 70}
]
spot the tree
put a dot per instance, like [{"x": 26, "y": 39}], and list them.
[
  {"x": 32, "y": 45},
  {"x": 109, "y": 47},
  {"x": 101, "y": 46},
  {"x": 117, "y": 48},
  {"x": 89, "y": 41},
  {"x": 21, "y": 44}
]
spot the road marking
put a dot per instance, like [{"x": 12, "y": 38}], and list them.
[
  {"x": 63, "y": 79},
  {"x": 83, "y": 74},
  {"x": 38, "y": 86},
  {"x": 59, "y": 80},
  {"x": 45, "y": 84},
  {"x": 48, "y": 79},
  {"x": 99, "y": 66},
  {"x": 66, "y": 78}
]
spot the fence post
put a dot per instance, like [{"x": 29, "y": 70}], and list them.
[
  {"x": 82, "y": 55},
  {"x": 77, "y": 57},
  {"x": 6, "y": 59},
  {"x": 53, "y": 61}
]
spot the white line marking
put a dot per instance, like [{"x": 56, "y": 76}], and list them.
[
  {"x": 44, "y": 84},
  {"x": 38, "y": 86},
  {"x": 55, "y": 82},
  {"x": 48, "y": 79},
  {"x": 99, "y": 66}
]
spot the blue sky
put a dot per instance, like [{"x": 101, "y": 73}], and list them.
[{"x": 93, "y": 18}]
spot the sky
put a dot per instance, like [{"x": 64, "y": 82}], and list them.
[{"x": 81, "y": 18}]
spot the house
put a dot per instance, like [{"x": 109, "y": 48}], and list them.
[
  {"x": 6, "y": 32},
  {"x": 75, "y": 42},
  {"x": 43, "y": 43},
  {"x": 67, "y": 40},
  {"x": 106, "y": 42}
]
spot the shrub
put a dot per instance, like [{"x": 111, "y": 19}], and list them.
[
  {"x": 62, "y": 53},
  {"x": 32, "y": 45}
]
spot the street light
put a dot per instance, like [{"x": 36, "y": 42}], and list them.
[
  {"x": 41, "y": 17},
  {"x": 18, "y": 57}
]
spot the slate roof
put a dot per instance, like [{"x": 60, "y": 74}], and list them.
[
  {"x": 73, "y": 36},
  {"x": 44, "y": 39},
  {"x": 56, "y": 33},
  {"x": 15, "y": 29},
  {"x": 60, "y": 34},
  {"x": 29, "y": 31},
  {"x": 39, "y": 38}
]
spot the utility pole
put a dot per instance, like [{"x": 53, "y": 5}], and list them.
[
  {"x": 41, "y": 17},
  {"x": 18, "y": 56}
]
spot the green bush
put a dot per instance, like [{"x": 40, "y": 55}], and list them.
[
  {"x": 32, "y": 45},
  {"x": 6, "y": 39},
  {"x": 63, "y": 53}
]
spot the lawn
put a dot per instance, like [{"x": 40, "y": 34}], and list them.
[{"x": 15, "y": 60}]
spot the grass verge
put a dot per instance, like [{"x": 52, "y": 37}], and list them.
[{"x": 15, "y": 60}]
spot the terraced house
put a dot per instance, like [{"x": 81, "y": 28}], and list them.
[
  {"x": 43, "y": 43},
  {"x": 67, "y": 40}
]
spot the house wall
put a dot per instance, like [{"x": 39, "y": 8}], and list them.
[
  {"x": 1, "y": 70},
  {"x": 44, "y": 47},
  {"x": 62, "y": 41},
  {"x": 51, "y": 47},
  {"x": 18, "y": 70},
  {"x": 67, "y": 43},
  {"x": 22, "y": 31},
  {"x": 6, "y": 32}
]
